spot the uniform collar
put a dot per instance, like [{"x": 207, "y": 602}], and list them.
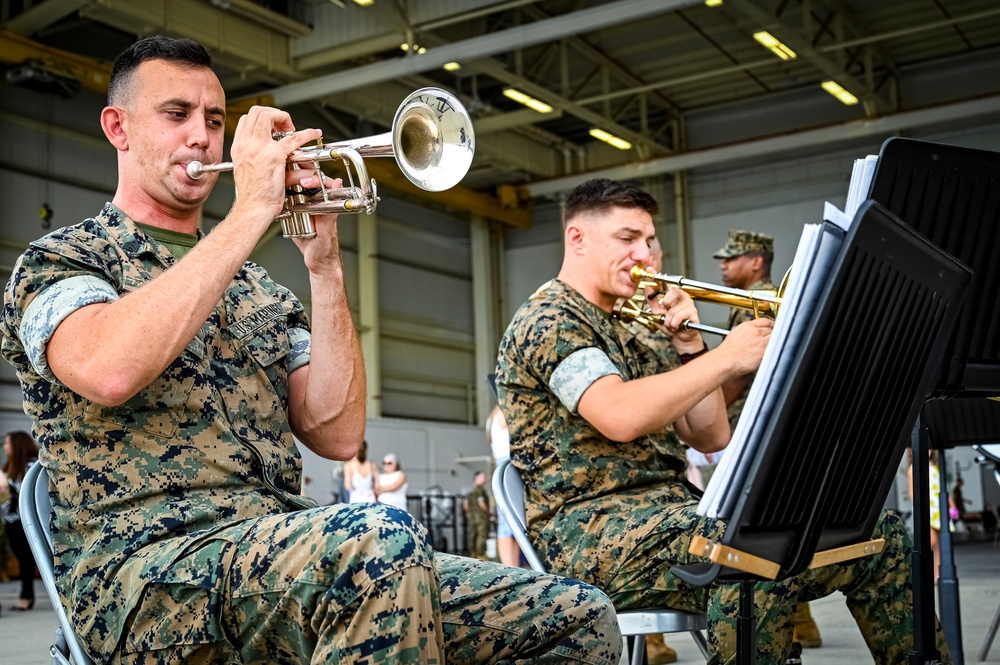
[{"x": 130, "y": 238}]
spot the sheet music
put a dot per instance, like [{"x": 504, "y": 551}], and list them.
[
  {"x": 861, "y": 183},
  {"x": 818, "y": 247}
]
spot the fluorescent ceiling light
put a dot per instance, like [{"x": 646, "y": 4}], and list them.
[
  {"x": 452, "y": 66},
  {"x": 770, "y": 42},
  {"x": 611, "y": 139},
  {"x": 530, "y": 102},
  {"x": 713, "y": 3},
  {"x": 834, "y": 89},
  {"x": 364, "y": 3}
]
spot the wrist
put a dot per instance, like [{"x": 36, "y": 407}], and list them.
[
  {"x": 685, "y": 358},
  {"x": 689, "y": 346}
]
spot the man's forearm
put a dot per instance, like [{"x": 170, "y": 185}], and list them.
[{"x": 329, "y": 408}]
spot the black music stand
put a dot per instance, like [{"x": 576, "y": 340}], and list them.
[
  {"x": 951, "y": 196},
  {"x": 829, "y": 449}
]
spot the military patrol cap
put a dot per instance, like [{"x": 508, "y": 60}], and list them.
[{"x": 742, "y": 242}]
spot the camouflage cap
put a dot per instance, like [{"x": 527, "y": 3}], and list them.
[{"x": 741, "y": 242}]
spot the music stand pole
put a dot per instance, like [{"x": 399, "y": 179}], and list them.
[
  {"x": 746, "y": 625},
  {"x": 924, "y": 647},
  {"x": 951, "y": 615}
]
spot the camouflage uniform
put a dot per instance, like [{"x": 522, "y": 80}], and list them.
[
  {"x": 619, "y": 515},
  {"x": 738, "y": 315},
  {"x": 478, "y": 521},
  {"x": 179, "y": 532},
  {"x": 739, "y": 243}
]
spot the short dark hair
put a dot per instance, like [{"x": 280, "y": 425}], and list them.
[
  {"x": 601, "y": 194},
  {"x": 768, "y": 259},
  {"x": 181, "y": 51}
]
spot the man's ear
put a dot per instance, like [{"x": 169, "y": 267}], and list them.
[
  {"x": 575, "y": 238},
  {"x": 757, "y": 263},
  {"x": 113, "y": 124}
]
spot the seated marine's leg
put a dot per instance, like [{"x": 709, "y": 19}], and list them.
[
  {"x": 495, "y": 614},
  {"x": 644, "y": 579},
  {"x": 347, "y": 584},
  {"x": 774, "y": 607},
  {"x": 879, "y": 593}
]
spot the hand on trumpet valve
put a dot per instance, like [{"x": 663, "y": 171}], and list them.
[{"x": 260, "y": 162}]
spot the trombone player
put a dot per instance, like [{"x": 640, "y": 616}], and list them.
[
  {"x": 595, "y": 419},
  {"x": 165, "y": 375}
]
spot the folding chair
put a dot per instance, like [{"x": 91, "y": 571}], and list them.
[
  {"x": 508, "y": 491},
  {"x": 35, "y": 509}
]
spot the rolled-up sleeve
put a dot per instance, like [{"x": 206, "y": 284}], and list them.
[
  {"x": 577, "y": 372},
  {"x": 51, "y": 307},
  {"x": 300, "y": 340}
]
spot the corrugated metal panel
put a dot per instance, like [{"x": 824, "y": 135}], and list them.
[{"x": 334, "y": 26}]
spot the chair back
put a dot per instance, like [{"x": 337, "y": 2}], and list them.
[
  {"x": 35, "y": 508},
  {"x": 508, "y": 492}
]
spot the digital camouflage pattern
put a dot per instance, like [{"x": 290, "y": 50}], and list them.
[
  {"x": 620, "y": 515},
  {"x": 742, "y": 242},
  {"x": 179, "y": 532},
  {"x": 738, "y": 315}
]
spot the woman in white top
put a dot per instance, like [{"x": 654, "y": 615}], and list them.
[
  {"x": 499, "y": 439},
  {"x": 392, "y": 483},
  {"x": 360, "y": 476}
]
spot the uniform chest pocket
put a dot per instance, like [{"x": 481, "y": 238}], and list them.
[
  {"x": 158, "y": 408},
  {"x": 255, "y": 387}
]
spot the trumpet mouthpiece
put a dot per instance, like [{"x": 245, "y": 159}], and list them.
[
  {"x": 638, "y": 273},
  {"x": 195, "y": 170}
]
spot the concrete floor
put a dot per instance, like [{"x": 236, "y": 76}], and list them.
[{"x": 25, "y": 636}]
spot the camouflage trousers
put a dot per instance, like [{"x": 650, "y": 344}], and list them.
[
  {"x": 360, "y": 584},
  {"x": 877, "y": 588},
  {"x": 478, "y": 531}
]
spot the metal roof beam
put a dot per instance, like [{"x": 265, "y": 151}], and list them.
[
  {"x": 501, "y": 73},
  {"x": 43, "y": 15},
  {"x": 803, "y": 47},
  {"x": 591, "y": 52},
  {"x": 883, "y": 126},
  {"x": 484, "y": 46},
  {"x": 769, "y": 61}
]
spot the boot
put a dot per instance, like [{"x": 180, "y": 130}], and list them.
[
  {"x": 658, "y": 653},
  {"x": 806, "y": 632}
]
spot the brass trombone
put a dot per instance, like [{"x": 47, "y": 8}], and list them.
[
  {"x": 762, "y": 302},
  {"x": 431, "y": 139}
]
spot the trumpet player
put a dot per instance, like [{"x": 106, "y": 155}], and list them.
[
  {"x": 595, "y": 419},
  {"x": 165, "y": 375}
]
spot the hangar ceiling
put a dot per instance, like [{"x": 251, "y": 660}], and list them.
[{"x": 639, "y": 70}]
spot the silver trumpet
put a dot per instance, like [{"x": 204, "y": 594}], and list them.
[{"x": 431, "y": 138}]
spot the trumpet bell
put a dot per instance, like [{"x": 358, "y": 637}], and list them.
[{"x": 433, "y": 139}]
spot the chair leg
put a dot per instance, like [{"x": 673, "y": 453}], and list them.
[
  {"x": 990, "y": 634},
  {"x": 699, "y": 639},
  {"x": 639, "y": 650}
]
